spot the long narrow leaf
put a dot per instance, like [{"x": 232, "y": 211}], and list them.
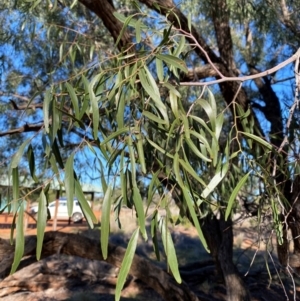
[
  {"x": 235, "y": 193},
  {"x": 46, "y": 103},
  {"x": 87, "y": 210},
  {"x": 126, "y": 263},
  {"x": 139, "y": 207},
  {"x": 105, "y": 221},
  {"x": 20, "y": 241},
  {"x": 259, "y": 140},
  {"x": 74, "y": 99},
  {"x": 170, "y": 250},
  {"x": 18, "y": 155},
  {"x": 41, "y": 223},
  {"x": 69, "y": 183}
]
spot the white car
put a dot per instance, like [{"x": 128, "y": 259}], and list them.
[{"x": 62, "y": 210}]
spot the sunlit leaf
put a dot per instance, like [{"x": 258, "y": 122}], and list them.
[
  {"x": 217, "y": 178},
  {"x": 69, "y": 183},
  {"x": 20, "y": 241},
  {"x": 74, "y": 99},
  {"x": 105, "y": 221},
  {"x": 153, "y": 117},
  {"x": 195, "y": 150},
  {"x": 173, "y": 61},
  {"x": 169, "y": 249},
  {"x": 126, "y": 263},
  {"x": 41, "y": 223},
  {"x": 86, "y": 209},
  {"x": 18, "y": 155},
  {"x": 151, "y": 88},
  {"x": 159, "y": 69},
  {"x": 139, "y": 207},
  {"x": 259, "y": 140},
  {"x": 140, "y": 151}
]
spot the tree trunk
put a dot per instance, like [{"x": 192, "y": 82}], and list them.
[
  {"x": 77, "y": 245},
  {"x": 219, "y": 237}
]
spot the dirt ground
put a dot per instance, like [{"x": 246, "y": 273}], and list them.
[{"x": 254, "y": 256}]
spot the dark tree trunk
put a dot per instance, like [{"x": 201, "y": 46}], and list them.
[{"x": 219, "y": 236}]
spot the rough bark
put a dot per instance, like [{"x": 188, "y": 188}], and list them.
[
  {"x": 219, "y": 237},
  {"x": 104, "y": 10},
  {"x": 77, "y": 245}
]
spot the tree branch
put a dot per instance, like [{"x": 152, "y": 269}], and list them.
[
  {"x": 23, "y": 129},
  {"x": 220, "y": 17},
  {"x": 201, "y": 72},
  {"x": 292, "y": 59},
  {"x": 25, "y": 107},
  {"x": 104, "y": 9}
]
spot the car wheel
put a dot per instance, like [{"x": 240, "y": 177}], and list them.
[{"x": 77, "y": 217}]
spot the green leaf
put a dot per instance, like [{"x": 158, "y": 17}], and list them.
[
  {"x": 173, "y": 61},
  {"x": 170, "y": 250},
  {"x": 41, "y": 224},
  {"x": 195, "y": 150},
  {"x": 154, "y": 235},
  {"x": 190, "y": 22},
  {"x": 159, "y": 69},
  {"x": 115, "y": 134},
  {"x": 123, "y": 179},
  {"x": 86, "y": 209},
  {"x": 20, "y": 241},
  {"x": 212, "y": 115},
  {"x": 195, "y": 219},
  {"x": 138, "y": 31},
  {"x": 153, "y": 117},
  {"x": 186, "y": 165},
  {"x": 18, "y": 155},
  {"x": 181, "y": 46},
  {"x": 235, "y": 193},
  {"x": 74, "y": 99},
  {"x": 56, "y": 120},
  {"x": 69, "y": 183},
  {"x": 202, "y": 140},
  {"x": 31, "y": 161},
  {"x": 126, "y": 263},
  {"x": 140, "y": 151},
  {"x": 188, "y": 200},
  {"x": 126, "y": 23},
  {"x": 16, "y": 188},
  {"x": 94, "y": 102},
  {"x": 46, "y": 103},
  {"x": 129, "y": 21},
  {"x": 139, "y": 207},
  {"x": 105, "y": 221},
  {"x": 218, "y": 177},
  {"x": 132, "y": 159},
  {"x": 120, "y": 111},
  {"x": 186, "y": 125},
  {"x": 151, "y": 88},
  {"x": 159, "y": 148},
  {"x": 56, "y": 152},
  {"x": 259, "y": 140}
]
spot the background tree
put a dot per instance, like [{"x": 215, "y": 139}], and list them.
[{"x": 142, "y": 107}]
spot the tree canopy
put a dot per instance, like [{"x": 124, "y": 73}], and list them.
[{"x": 194, "y": 100}]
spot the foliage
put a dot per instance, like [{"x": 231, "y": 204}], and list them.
[{"x": 128, "y": 115}]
